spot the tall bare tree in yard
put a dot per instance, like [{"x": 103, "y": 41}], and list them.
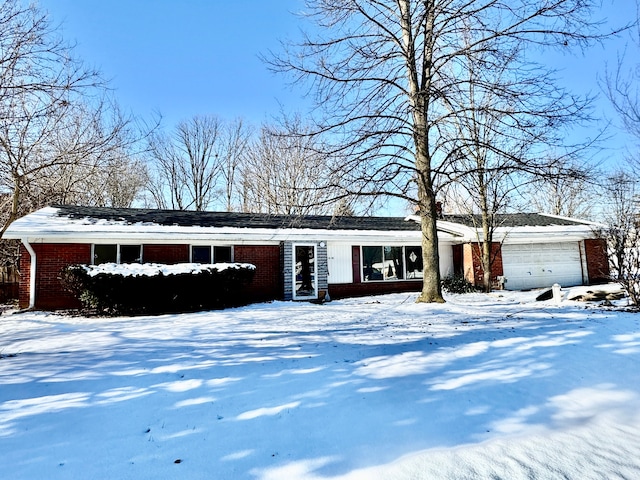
[
  {"x": 623, "y": 231},
  {"x": 505, "y": 117},
  {"x": 52, "y": 113},
  {"x": 385, "y": 75},
  {"x": 622, "y": 209}
]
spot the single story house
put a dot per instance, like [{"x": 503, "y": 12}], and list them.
[{"x": 297, "y": 258}]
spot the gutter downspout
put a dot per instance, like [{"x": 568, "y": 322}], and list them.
[{"x": 32, "y": 273}]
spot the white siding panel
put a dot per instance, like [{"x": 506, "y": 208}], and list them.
[
  {"x": 445, "y": 252},
  {"x": 339, "y": 263}
]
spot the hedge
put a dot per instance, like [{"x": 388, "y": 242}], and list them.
[{"x": 157, "y": 288}]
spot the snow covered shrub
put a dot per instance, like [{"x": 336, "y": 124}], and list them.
[
  {"x": 157, "y": 288},
  {"x": 457, "y": 284}
]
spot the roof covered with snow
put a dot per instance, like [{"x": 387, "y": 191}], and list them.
[
  {"x": 184, "y": 218},
  {"x": 97, "y": 224}
]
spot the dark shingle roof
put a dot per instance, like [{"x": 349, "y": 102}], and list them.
[
  {"x": 514, "y": 220},
  {"x": 315, "y": 222},
  {"x": 234, "y": 219}
]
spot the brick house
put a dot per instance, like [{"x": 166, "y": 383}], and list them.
[{"x": 298, "y": 258}]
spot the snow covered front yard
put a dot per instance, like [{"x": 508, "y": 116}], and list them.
[{"x": 484, "y": 386}]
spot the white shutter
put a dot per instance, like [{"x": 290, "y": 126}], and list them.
[{"x": 339, "y": 263}]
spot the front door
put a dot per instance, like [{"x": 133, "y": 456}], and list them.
[{"x": 305, "y": 280}]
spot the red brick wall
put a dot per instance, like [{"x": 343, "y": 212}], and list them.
[
  {"x": 51, "y": 258},
  {"x": 343, "y": 290},
  {"x": 472, "y": 266},
  {"x": 266, "y": 285},
  {"x": 468, "y": 263},
  {"x": 169, "y": 254},
  {"x": 597, "y": 260},
  {"x": 267, "y": 282}
]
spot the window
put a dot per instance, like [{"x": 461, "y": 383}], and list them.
[
  {"x": 130, "y": 254},
  {"x": 200, "y": 254},
  {"x": 393, "y": 264},
  {"x": 105, "y": 254},
  {"x": 222, "y": 254},
  {"x": 211, "y": 254},
  {"x": 110, "y": 253},
  {"x": 380, "y": 263},
  {"x": 413, "y": 261}
]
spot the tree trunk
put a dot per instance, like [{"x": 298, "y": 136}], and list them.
[
  {"x": 486, "y": 266},
  {"x": 487, "y": 238},
  {"x": 419, "y": 87},
  {"x": 431, "y": 288}
]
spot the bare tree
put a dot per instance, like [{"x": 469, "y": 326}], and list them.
[
  {"x": 108, "y": 172},
  {"x": 623, "y": 232},
  {"x": 384, "y": 75},
  {"x": 620, "y": 85},
  {"x": 54, "y": 120},
  {"x": 283, "y": 173},
  {"x": 564, "y": 195},
  {"x": 186, "y": 165},
  {"x": 234, "y": 143},
  {"x": 505, "y": 115}
]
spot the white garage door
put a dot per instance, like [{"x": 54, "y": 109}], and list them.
[{"x": 541, "y": 265}]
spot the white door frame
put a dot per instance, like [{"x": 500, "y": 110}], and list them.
[{"x": 314, "y": 274}]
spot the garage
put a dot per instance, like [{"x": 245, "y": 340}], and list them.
[{"x": 537, "y": 265}]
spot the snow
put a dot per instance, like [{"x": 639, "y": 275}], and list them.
[
  {"x": 484, "y": 386},
  {"x": 153, "y": 269},
  {"x": 46, "y": 223}
]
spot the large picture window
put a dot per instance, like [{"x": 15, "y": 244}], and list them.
[
  {"x": 382, "y": 263},
  {"x": 211, "y": 254},
  {"x": 115, "y": 253}
]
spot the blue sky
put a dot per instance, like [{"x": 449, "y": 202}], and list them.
[
  {"x": 182, "y": 58},
  {"x": 189, "y": 57}
]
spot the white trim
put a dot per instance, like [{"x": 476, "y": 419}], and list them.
[
  {"x": 235, "y": 236},
  {"x": 32, "y": 274},
  {"x": 315, "y": 271}
]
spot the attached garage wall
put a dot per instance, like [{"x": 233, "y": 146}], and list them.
[
  {"x": 538, "y": 265},
  {"x": 597, "y": 260}
]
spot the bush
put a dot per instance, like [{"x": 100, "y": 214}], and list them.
[
  {"x": 154, "y": 288},
  {"x": 457, "y": 284}
]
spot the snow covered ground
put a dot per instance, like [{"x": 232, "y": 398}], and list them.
[{"x": 484, "y": 386}]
